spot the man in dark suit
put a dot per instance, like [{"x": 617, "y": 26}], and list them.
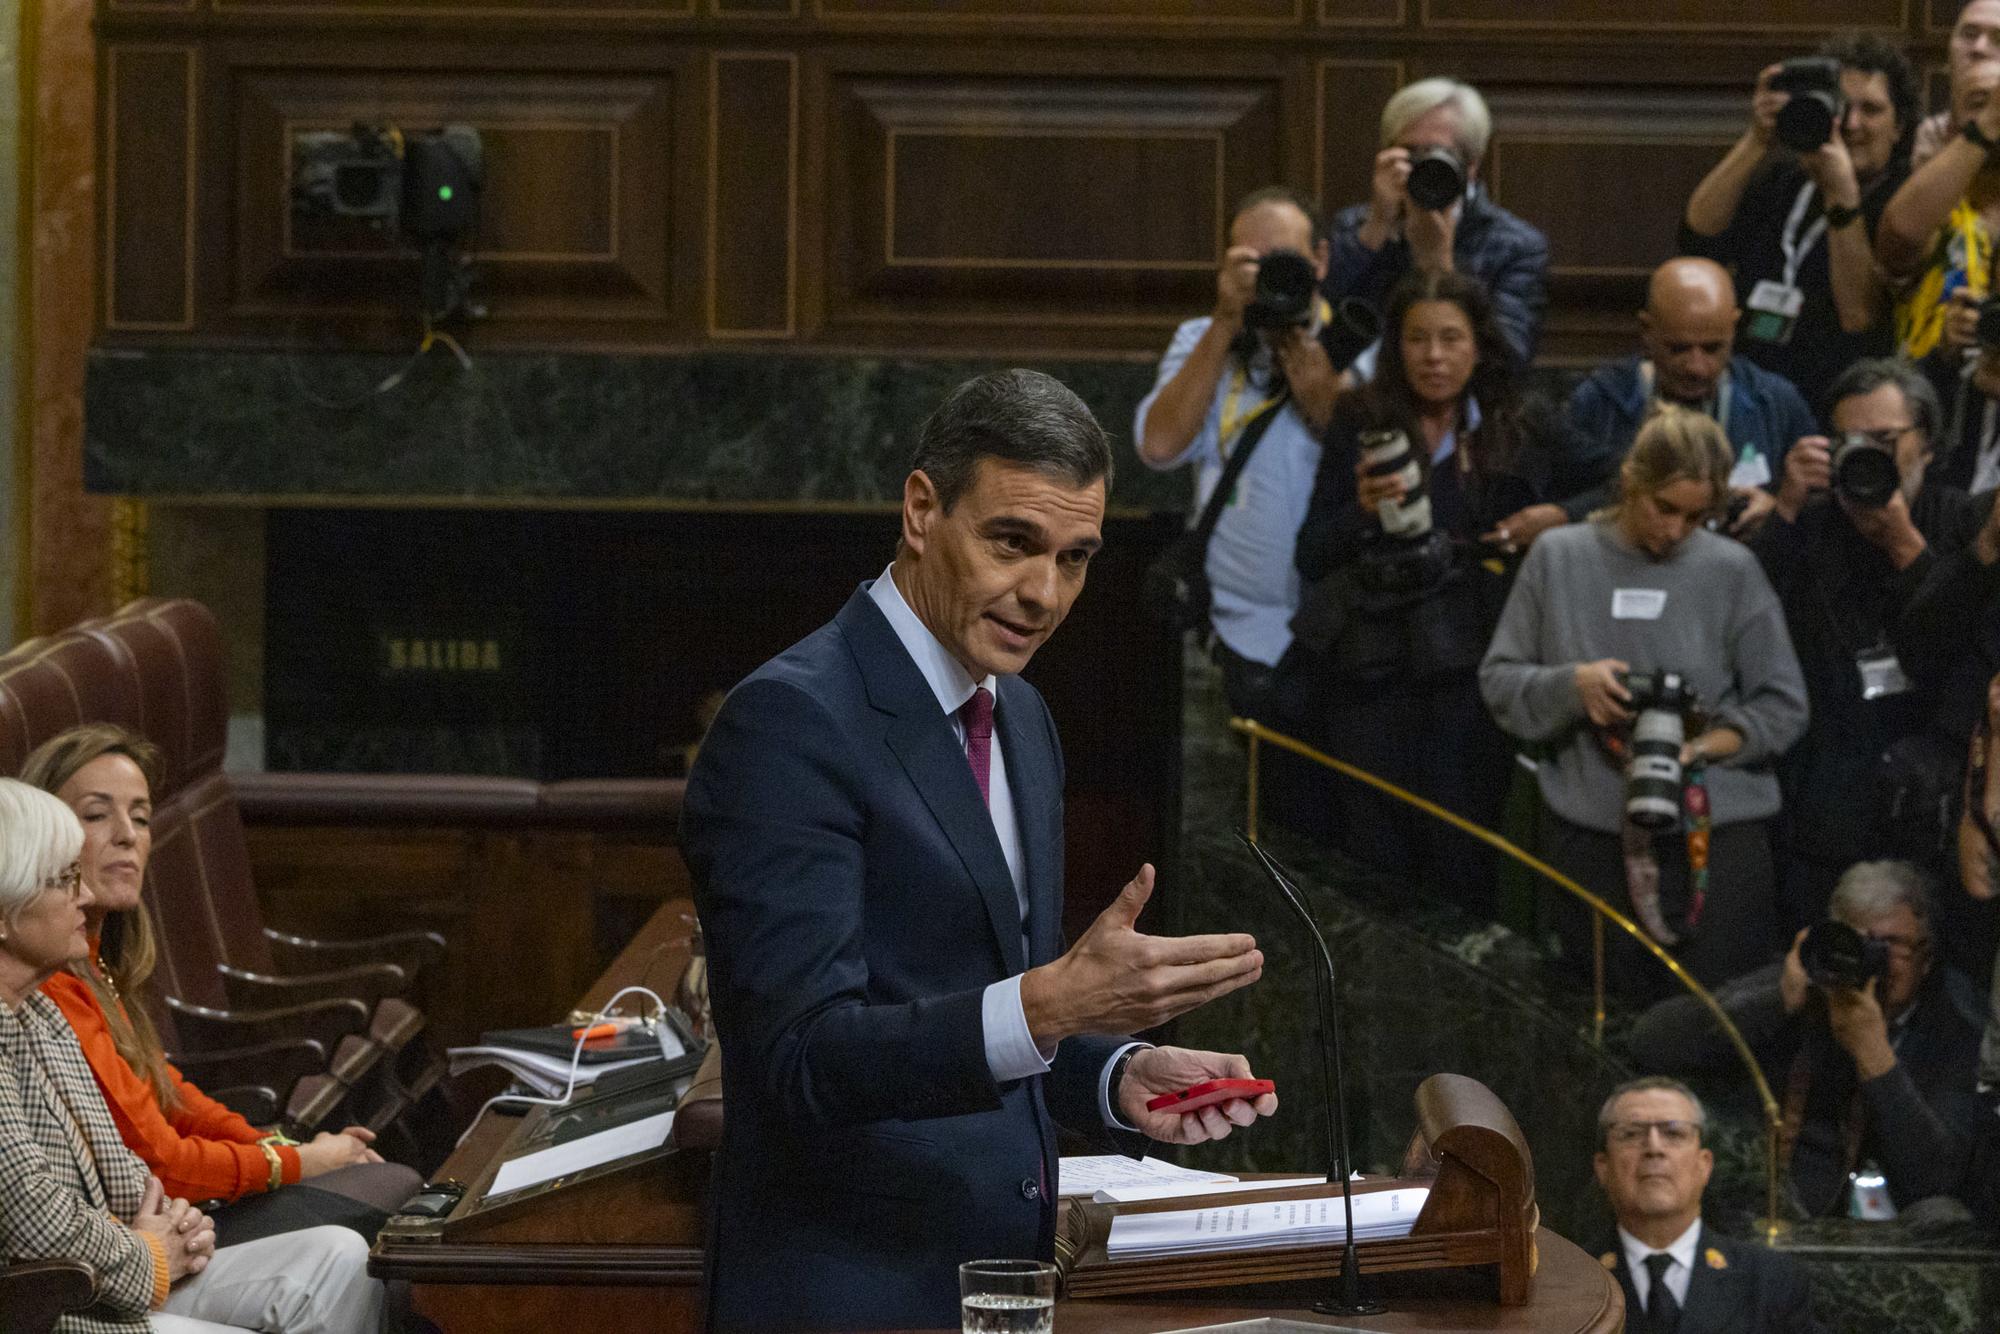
[
  {"x": 1679, "y": 1277},
  {"x": 874, "y": 828}
]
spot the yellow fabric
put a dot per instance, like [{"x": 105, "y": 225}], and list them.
[
  {"x": 1963, "y": 249},
  {"x": 161, "y": 1281}
]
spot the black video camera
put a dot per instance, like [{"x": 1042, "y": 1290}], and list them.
[
  {"x": 1653, "y": 777},
  {"x": 1864, "y": 473},
  {"x": 1808, "y": 120},
  {"x": 1437, "y": 178},
  {"x": 1836, "y": 955}
]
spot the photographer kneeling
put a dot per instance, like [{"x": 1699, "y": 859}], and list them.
[
  {"x": 1405, "y": 553},
  {"x": 1858, "y": 539},
  {"x": 1623, "y": 636},
  {"x": 1870, "y": 1045}
]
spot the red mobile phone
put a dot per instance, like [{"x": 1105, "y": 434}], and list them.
[{"x": 1208, "y": 1092}]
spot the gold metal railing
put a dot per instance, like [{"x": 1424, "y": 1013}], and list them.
[{"x": 1259, "y": 735}]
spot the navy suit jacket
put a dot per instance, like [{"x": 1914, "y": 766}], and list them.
[
  {"x": 856, "y": 904},
  {"x": 1755, "y": 1290}
]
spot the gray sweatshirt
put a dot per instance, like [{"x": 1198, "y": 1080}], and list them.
[{"x": 1586, "y": 593}]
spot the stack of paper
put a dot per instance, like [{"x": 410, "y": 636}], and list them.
[
  {"x": 561, "y": 1160},
  {"x": 1135, "y": 1194},
  {"x": 1087, "y": 1176},
  {"x": 1266, "y": 1225},
  {"x": 546, "y": 1075}
]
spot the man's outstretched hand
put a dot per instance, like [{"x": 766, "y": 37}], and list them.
[
  {"x": 1117, "y": 980},
  {"x": 1170, "y": 1069}
]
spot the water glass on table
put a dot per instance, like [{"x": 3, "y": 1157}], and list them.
[{"x": 1007, "y": 1296}]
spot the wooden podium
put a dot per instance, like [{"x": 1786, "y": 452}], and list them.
[{"x": 622, "y": 1248}]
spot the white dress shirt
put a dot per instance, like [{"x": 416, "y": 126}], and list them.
[
  {"x": 1679, "y": 1274},
  {"x": 1011, "y": 1052}
]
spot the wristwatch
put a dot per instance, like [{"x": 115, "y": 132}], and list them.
[
  {"x": 1840, "y": 215},
  {"x": 1974, "y": 134}
]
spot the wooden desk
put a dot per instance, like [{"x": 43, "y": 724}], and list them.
[
  {"x": 1573, "y": 1294},
  {"x": 624, "y": 1256}
]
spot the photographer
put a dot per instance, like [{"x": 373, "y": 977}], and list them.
[
  {"x": 1405, "y": 572},
  {"x": 1221, "y": 384},
  {"x": 1645, "y": 588},
  {"x": 1428, "y": 212},
  {"x": 1687, "y": 334},
  {"x": 1857, "y": 539},
  {"x": 1871, "y": 1045},
  {"x": 1935, "y": 237},
  {"x": 1791, "y": 208}
]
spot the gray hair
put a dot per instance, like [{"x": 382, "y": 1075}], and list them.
[
  {"x": 39, "y": 838},
  {"x": 1865, "y": 377},
  {"x": 1649, "y": 1084},
  {"x": 1410, "y": 104},
  {"x": 1020, "y": 417},
  {"x": 1869, "y": 890}
]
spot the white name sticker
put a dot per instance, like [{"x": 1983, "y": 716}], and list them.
[
  {"x": 1638, "y": 604},
  {"x": 1752, "y": 469}
]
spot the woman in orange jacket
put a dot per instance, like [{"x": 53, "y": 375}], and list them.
[{"x": 197, "y": 1147}]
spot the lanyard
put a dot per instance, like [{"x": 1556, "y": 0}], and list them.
[
  {"x": 1797, "y": 247},
  {"x": 1717, "y": 408},
  {"x": 1233, "y": 423}
]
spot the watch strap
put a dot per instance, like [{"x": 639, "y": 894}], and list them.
[{"x": 1840, "y": 215}]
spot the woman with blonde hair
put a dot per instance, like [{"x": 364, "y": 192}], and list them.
[
  {"x": 73, "y": 1191},
  {"x": 196, "y": 1146},
  {"x": 1643, "y": 590}
]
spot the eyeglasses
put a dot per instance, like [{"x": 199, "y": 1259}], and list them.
[
  {"x": 1674, "y": 1134},
  {"x": 1903, "y": 944},
  {"x": 69, "y": 879}
]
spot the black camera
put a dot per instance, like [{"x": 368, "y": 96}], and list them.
[
  {"x": 1354, "y": 327},
  {"x": 1807, "y": 121},
  {"x": 1283, "y": 297},
  {"x": 1836, "y": 955},
  {"x": 1987, "y": 330},
  {"x": 347, "y": 174},
  {"x": 1864, "y": 473},
  {"x": 1653, "y": 777},
  {"x": 1437, "y": 178}
]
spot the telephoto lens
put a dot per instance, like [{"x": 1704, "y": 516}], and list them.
[
  {"x": 1387, "y": 453},
  {"x": 1437, "y": 178},
  {"x": 1653, "y": 776},
  {"x": 1864, "y": 473},
  {"x": 1806, "y": 122},
  {"x": 1354, "y": 327}
]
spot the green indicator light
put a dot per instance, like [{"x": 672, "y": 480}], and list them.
[{"x": 444, "y": 192}]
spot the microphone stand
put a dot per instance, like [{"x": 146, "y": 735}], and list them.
[{"x": 1350, "y": 1299}]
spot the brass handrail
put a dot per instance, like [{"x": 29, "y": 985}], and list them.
[{"x": 1258, "y": 733}]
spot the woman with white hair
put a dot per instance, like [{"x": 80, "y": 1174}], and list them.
[
  {"x": 70, "y": 1189},
  {"x": 1375, "y": 244}
]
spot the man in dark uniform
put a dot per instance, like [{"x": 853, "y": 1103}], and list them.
[{"x": 1679, "y": 1277}]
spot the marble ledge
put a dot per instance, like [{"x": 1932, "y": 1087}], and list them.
[{"x": 750, "y": 429}]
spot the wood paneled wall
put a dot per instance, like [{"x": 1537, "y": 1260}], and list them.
[{"x": 905, "y": 174}]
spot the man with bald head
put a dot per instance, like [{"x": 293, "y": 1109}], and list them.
[{"x": 1688, "y": 335}]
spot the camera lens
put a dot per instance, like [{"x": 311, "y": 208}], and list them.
[
  {"x": 1864, "y": 472},
  {"x": 1388, "y": 454},
  {"x": 1437, "y": 178},
  {"x": 1987, "y": 329},
  {"x": 1284, "y": 292},
  {"x": 1834, "y": 954},
  {"x": 1806, "y": 122},
  {"x": 1653, "y": 776}
]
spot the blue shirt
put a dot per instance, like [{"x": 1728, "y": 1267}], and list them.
[{"x": 1254, "y": 583}]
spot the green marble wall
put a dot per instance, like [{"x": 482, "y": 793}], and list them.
[{"x": 743, "y": 428}]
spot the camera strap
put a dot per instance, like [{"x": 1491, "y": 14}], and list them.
[
  {"x": 1795, "y": 246},
  {"x": 1235, "y": 461}
]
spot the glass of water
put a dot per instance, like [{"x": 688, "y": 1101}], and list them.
[{"x": 1007, "y": 1296}]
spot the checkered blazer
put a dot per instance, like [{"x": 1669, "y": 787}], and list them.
[{"x": 66, "y": 1179}]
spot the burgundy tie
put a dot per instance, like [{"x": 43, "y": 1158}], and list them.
[{"x": 978, "y": 716}]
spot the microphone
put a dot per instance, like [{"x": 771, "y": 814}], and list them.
[{"x": 1350, "y": 1299}]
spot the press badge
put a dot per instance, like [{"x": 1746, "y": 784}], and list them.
[
  {"x": 1774, "y": 310},
  {"x": 1638, "y": 604},
  {"x": 1882, "y": 675},
  {"x": 1752, "y": 469}
]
